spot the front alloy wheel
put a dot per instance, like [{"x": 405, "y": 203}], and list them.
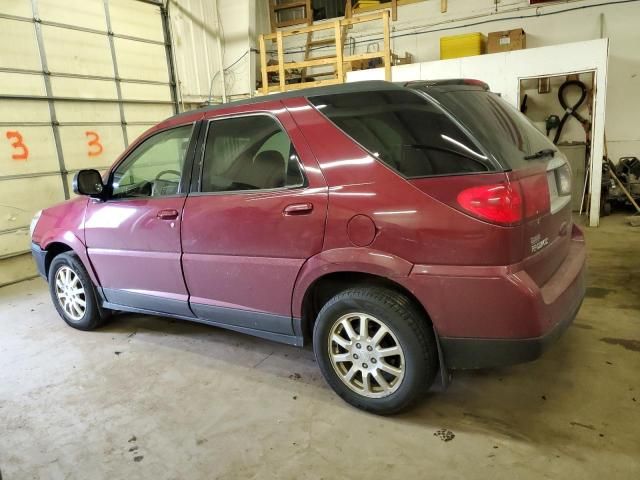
[
  {"x": 70, "y": 293},
  {"x": 73, "y": 293}
]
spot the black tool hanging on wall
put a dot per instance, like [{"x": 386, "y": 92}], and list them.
[
  {"x": 551, "y": 122},
  {"x": 573, "y": 110}
]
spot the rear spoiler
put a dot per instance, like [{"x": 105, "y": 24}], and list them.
[{"x": 447, "y": 82}]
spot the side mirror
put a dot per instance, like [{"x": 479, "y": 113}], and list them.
[{"x": 88, "y": 182}]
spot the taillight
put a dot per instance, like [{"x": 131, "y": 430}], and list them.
[
  {"x": 508, "y": 203},
  {"x": 563, "y": 179},
  {"x": 535, "y": 190},
  {"x": 499, "y": 203}
]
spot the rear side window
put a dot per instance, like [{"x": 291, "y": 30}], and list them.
[
  {"x": 249, "y": 153},
  {"x": 405, "y": 131}
]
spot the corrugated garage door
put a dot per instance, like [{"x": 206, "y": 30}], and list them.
[{"x": 79, "y": 80}]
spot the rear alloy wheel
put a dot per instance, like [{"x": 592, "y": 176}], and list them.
[
  {"x": 73, "y": 293},
  {"x": 375, "y": 349},
  {"x": 370, "y": 360}
]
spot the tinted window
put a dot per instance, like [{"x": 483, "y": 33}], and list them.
[
  {"x": 154, "y": 168},
  {"x": 405, "y": 131},
  {"x": 249, "y": 153},
  {"x": 500, "y": 127}
]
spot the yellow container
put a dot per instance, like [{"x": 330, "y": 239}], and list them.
[{"x": 465, "y": 45}]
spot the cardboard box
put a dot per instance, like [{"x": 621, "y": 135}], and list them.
[{"x": 506, "y": 41}]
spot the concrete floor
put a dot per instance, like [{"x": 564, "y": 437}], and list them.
[{"x": 154, "y": 398}]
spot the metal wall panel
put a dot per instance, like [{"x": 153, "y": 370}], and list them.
[
  {"x": 12, "y": 83},
  {"x": 142, "y": 61},
  {"x": 136, "y": 19},
  {"x": 78, "y": 83},
  {"x": 10, "y": 238},
  {"x": 40, "y": 154},
  {"x": 134, "y": 131},
  {"x": 17, "y": 268},
  {"x": 83, "y": 88},
  {"x": 81, "y": 13},
  {"x": 18, "y": 8},
  {"x": 19, "y": 111},
  {"x": 27, "y": 195},
  {"x": 78, "y": 112},
  {"x": 18, "y": 46},
  {"x": 147, "y": 113},
  {"x": 91, "y": 146},
  {"x": 145, "y": 91},
  {"x": 73, "y": 51}
]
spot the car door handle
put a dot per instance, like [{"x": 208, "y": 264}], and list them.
[
  {"x": 298, "y": 209},
  {"x": 168, "y": 214}
]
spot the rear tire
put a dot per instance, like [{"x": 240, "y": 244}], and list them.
[
  {"x": 73, "y": 293},
  {"x": 388, "y": 366}
]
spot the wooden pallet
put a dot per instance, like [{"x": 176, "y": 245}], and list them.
[{"x": 337, "y": 60}]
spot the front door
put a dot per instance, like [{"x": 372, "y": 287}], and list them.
[
  {"x": 133, "y": 238},
  {"x": 257, "y": 214}
]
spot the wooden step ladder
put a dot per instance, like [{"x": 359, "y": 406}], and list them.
[{"x": 320, "y": 44}]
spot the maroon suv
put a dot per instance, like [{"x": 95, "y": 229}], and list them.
[{"x": 404, "y": 230}]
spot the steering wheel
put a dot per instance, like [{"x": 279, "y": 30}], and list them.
[{"x": 164, "y": 172}]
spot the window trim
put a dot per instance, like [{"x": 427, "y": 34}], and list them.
[
  {"x": 426, "y": 97},
  {"x": 196, "y": 181},
  {"x": 185, "y": 175}
]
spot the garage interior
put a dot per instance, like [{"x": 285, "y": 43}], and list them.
[{"x": 151, "y": 397}]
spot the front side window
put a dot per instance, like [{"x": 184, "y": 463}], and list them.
[
  {"x": 405, "y": 131},
  {"x": 154, "y": 168},
  {"x": 249, "y": 153}
]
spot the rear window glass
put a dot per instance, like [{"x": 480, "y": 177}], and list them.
[
  {"x": 405, "y": 131},
  {"x": 498, "y": 126}
]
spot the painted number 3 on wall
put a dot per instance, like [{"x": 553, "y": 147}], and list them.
[
  {"x": 17, "y": 142},
  {"x": 21, "y": 151},
  {"x": 95, "y": 147}
]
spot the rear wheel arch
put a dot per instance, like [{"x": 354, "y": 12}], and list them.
[{"x": 325, "y": 287}]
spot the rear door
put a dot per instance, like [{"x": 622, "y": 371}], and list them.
[
  {"x": 254, "y": 216},
  {"x": 133, "y": 238}
]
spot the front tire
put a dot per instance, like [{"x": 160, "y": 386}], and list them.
[
  {"x": 73, "y": 293},
  {"x": 375, "y": 349}
]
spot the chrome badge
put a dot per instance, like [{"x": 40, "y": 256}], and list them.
[{"x": 538, "y": 243}]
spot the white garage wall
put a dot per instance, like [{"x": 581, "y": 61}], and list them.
[
  {"x": 79, "y": 81},
  {"x": 195, "y": 32},
  {"x": 583, "y": 20}
]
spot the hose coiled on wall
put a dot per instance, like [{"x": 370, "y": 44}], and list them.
[{"x": 573, "y": 110}]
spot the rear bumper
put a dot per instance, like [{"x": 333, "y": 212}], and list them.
[
  {"x": 495, "y": 316},
  {"x": 39, "y": 256},
  {"x": 469, "y": 353}
]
